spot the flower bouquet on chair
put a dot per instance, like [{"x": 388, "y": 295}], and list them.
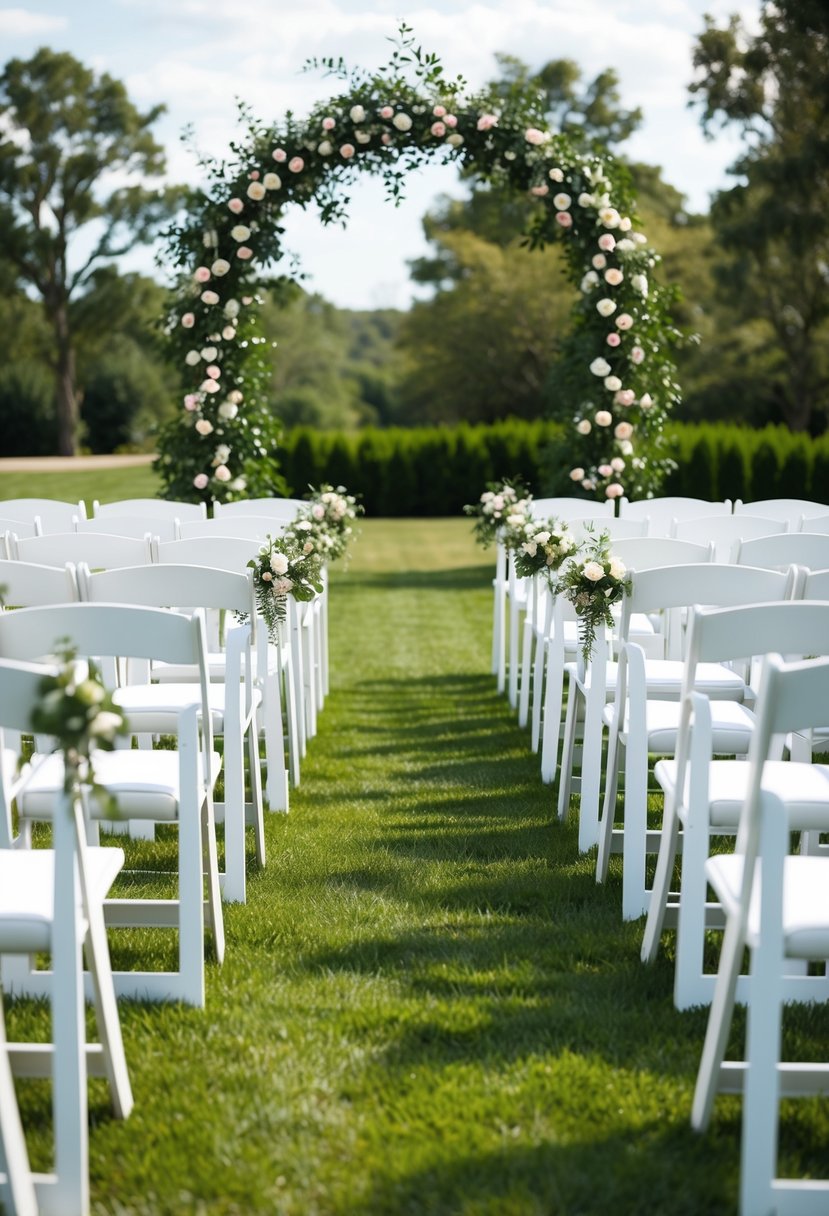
[
  {"x": 290, "y": 564},
  {"x": 539, "y": 548},
  {"x": 499, "y": 500},
  {"x": 331, "y": 512},
  {"x": 593, "y": 584}
]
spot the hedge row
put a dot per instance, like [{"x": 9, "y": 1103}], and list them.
[{"x": 430, "y": 471}]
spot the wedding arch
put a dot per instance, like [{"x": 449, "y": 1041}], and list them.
[{"x": 620, "y": 378}]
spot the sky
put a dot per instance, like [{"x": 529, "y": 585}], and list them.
[{"x": 199, "y": 56}]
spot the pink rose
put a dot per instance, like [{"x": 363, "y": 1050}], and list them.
[
  {"x": 347, "y": 151},
  {"x": 254, "y": 175},
  {"x": 623, "y": 430},
  {"x": 318, "y": 511},
  {"x": 605, "y": 470},
  {"x": 244, "y": 253},
  {"x": 328, "y": 124},
  {"x": 200, "y": 481},
  {"x": 438, "y": 129},
  {"x": 637, "y": 354},
  {"x": 613, "y": 276},
  {"x": 236, "y": 205},
  {"x": 209, "y": 386},
  {"x": 191, "y": 402},
  {"x": 296, "y": 164},
  {"x": 487, "y": 121},
  {"x": 577, "y": 474},
  {"x": 439, "y": 111},
  {"x": 204, "y": 426},
  {"x": 540, "y": 191},
  {"x": 385, "y": 138},
  {"x": 607, "y": 242},
  {"x": 625, "y": 396},
  {"x": 534, "y": 136},
  {"x": 624, "y": 321},
  {"x": 451, "y": 120},
  {"x": 565, "y": 219},
  {"x": 188, "y": 320},
  {"x": 386, "y": 111},
  {"x": 222, "y": 473},
  {"x": 201, "y": 274},
  {"x": 603, "y": 418},
  {"x": 280, "y": 155},
  {"x": 614, "y": 490},
  {"x": 613, "y": 339},
  {"x": 213, "y": 371},
  {"x": 209, "y": 297}
]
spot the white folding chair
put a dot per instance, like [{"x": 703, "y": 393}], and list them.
[
  {"x": 27, "y": 584},
  {"x": 724, "y": 531},
  {"x": 645, "y": 716},
  {"x": 274, "y": 508},
  {"x": 790, "y": 549},
  {"x": 51, "y": 902},
  {"x": 591, "y": 685},
  {"x": 282, "y": 681},
  {"x": 704, "y": 796},
  {"x": 152, "y": 707},
  {"x": 247, "y": 527},
  {"x": 790, "y": 510},
  {"x": 172, "y": 786},
  {"x": 153, "y": 508},
  {"x": 11, "y": 529},
  {"x": 130, "y": 525},
  {"x": 807, "y": 523},
  {"x": 662, "y": 512},
  {"x": 53, "y": 514},
  {"x": 775, "y": 905},
  {"x": 98, "y": 550}
]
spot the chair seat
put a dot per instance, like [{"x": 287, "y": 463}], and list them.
[
  {"x": 27, "y": 887},
  {"x": 150, "y": 708},
  {"x": 731, "y": 725},
  {"x": 145, "y": 784},
  {"x": 664, "y": 679},
  {"x": 805, "y": 907},
  {"x": 803, "y": 788}
]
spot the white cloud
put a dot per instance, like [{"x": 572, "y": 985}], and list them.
[{"x": 24, "y": 23}]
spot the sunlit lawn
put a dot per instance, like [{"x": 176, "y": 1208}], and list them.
[{"x": 428, "y": 1005}]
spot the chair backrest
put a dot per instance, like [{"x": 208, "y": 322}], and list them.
[
  {"x": 96, "y": 549},
  {"x": 647, "y": 552},
  {"x": 154, "y": 508},
  {"x": 789, "y": 548},
  {"x": 725, "y": 530},
  {"x": 813, "y": 585},
  {"x": 788, "y": 509},
  {"x": 130, "y": 525},
  {"x": 793, "y": 627},
  {"x": 223, "y": 552},
  {"x": 663, "y": 511},
  {"x": 169, "y": 586},
  {"x": 246, "y": 527},
  {"x": 617, "y": 529},
  {"x": 19, "y": 696},
  {"x": 808, "y": 523},
  {"x": 54, "y": 514},
  {"x": 571, "y": 508},
  {"x": 27, "y": 584},
  {"x": 273, "y": 508}
]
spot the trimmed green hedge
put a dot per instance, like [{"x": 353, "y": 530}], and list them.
[{"x": 433, "y": 471}]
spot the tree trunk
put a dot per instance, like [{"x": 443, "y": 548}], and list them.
[{"x": 66, "y": 396}]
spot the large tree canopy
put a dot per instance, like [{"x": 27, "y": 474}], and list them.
[
  {"x": 619, "y": 377},
  {"x": 67, "y": 136}
]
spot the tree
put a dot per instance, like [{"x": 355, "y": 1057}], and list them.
[
  {"x": 772, "y": 223},
  {"x": 67, "y": 136}
]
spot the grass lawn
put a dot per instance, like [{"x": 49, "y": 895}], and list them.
[
  {"x": 107, "y": 485},
  {"x": 427, "y": 1006}
]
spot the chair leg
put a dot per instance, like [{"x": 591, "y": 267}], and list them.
[
  {"x": 106, "y": 1012},
  {"x": 257, "y": 805},
  {"x": 665, "y": 862},
  {"x": 614, "y": 747},
  {"x": 18, "y": 1192},
  {"x": 568, "y": 753},
  {"x": 635, "y": 839},
  {"x": 591, "y": 772},
  {"x": 528, "y": 638},
  {"x": 551, "y": 723},
  {"x": 719, "y": 1025},
  {"x": 234, "y": 887}
]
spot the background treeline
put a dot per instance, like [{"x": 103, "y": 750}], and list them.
[{"x": 432, "y": 471}]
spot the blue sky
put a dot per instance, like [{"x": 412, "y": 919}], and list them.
[{"x": 198, "y": 56}]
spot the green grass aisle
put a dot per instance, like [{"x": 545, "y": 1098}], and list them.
[{"x": 427, "y": 1006}]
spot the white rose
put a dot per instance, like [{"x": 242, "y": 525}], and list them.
[
  {"x": 584, "y": 427},
  {"x": 256, "y": 191},
  {"x": 232, "y": 309},
  {"x": 590, "y": 280},
  {"x": 603, "y": 418},
  {"x": 556, "y": 175},
  {"x": 605, "y": 307},
  {"x": 639, "y": 282},
  {"x": 455, "y": 140},
  {"x": 577, "y": 474},
  {"x": 402, "y": 122},
  {"x": 209, "y": 353},
  {"x": 325, "y": 148},
  {"x": 585, "y": 200},
  {"x": 204, "y": 426},
  {"x": 222, "y": 454},
  {"x": 227, "y": 410},
  {"x": 357, "y": 114},
  {"x": 362, "y": 137},
  {"x": 646, "y": 401},
  {"x": 279, "y": 563},
  {"x": 220, "y": 267},
  {"x": 240, "y": 232},
  {"x": 609, "y": 217},
  {"x": 530, "y": 548},
  {"x": 618, "y": 569},
  {"x": 612, "y": 384},
  {"x": 222, "y": 473},
  {"x": 561, "y": 201},
  {"x": 272, "y": 181},
  {"x": 592, "y": 571},
  {"x": 105, "y": 724},
  {"x": 541, "y": 538},
  {"x": 600, "y": 367},
  {"x": 192, "y": 358}
]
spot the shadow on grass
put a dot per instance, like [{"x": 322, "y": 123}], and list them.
[{"x": 463, "y": 578}]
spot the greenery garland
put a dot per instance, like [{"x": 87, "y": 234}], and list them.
[{"x": 619, "y": 379}]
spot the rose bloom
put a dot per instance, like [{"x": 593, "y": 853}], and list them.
[
  {"x": 617, "y": 464},
  {"x": 646, "y": 401},
  {"x": 451, "y": 120},
  {"x": 576, "y": 474},
  {"x": 236, "y": 205},
  {"x": 618, "y": 569},
  {"x": 209, "y": 386},
  {"x": 222, "y": 454},
  {"x": 256, "y": 191},
  {"x": 534, "y": 136},
  {"x": 624, "y": 321},
  {"x": 564, "y": 218},
  {"x": 623, "y": 430},
  {"x": 213, "y": 371},
  {"x": 222, "y": 473},
  {"x": 586, "y": 200},
  {"x": 325, "y": 148},
  {"x": 282, "y": 586},
  {"x": 318, "y": 511},
  {"x": 590, "y": 280},
  {"x": 279, "y": 155},
  {"x": 592, "y": 571},
  {"x": 209, "y": 297},
  {"x": 272, "y": 181},
  {"x": 209, "y": 353},
  {"x": 487, "y": 121},
  {"x": 188, "y": 320},
  {"x": 613, "y": 276},
  {"x": 609, "y": 217},
  {"x": 584, "y": 427},
  {"x": 438, "y": 129},
  {"x": 328, "y": 124},
  {"x": 386, "y": 112},
  {"x": 279, "y": 563},
  {"x": 402, "y": 122},
  {"x": 613, "y": 338},
  {"x": 539, "y": 191},
  {"x": 200, "y": 481},
  {"x": 598, "y": 261},
  {"x": 607, "y": 242},
  {"x": 612, "y": 383},
  {"x": 556, "y": 175},
  {"x": 625, "y": 223},
  {"x": 603, "y": 418},
  {"x": 357, "y": 114},
  {"x": 191, "y": 402},
  {"x": 625, "y": 396},
  {"x": 605, "y": 470},
  {"x": 240, "y": 232},
  {"x": 605, "y": 307},
  {"x": 204, "y": 426},
  {"x": 192, "y": 358},
  {"x": 362, "y": 137},
  {"x": 201, "y": 274},
  {"x": 228, "y": 410},
  {"x": 220, "y": 267},
  {"x": 600, "y": 367},
  {"x": 228, "y": 333},
  {"x": 639, "y": 282},
  {"x": 615, "y": 491},
  {"x": 588, "y": 484},
  {"x": 637, "y": 354},
  {"x": 347, "y": 151},
  {"x": 385, "y": 138},
  {"x": 296, "y": 164},
  {"x": 439, "y": 111},
  {"x": 454, "y": 140},
  {"x": 561, "y": 202}
]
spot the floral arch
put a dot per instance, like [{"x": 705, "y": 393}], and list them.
[{"x": 619, "y": 380}]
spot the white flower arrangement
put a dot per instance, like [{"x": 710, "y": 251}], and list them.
[
  {"x": 593, "y": 582},
  {"x": 542, "y": 548},
  {"x": 285, "y": 565},
  {"x": 499, "y": 500}
]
